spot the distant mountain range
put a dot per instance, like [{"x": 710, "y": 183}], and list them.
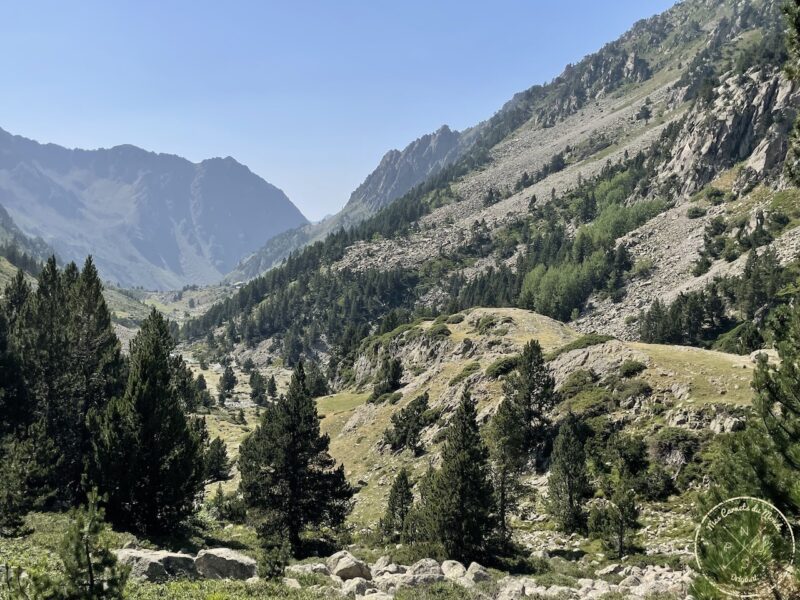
[
  {"x": 398, "y": 172},
  {"x": 153, "y": 220}
]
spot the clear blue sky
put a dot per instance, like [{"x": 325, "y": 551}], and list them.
[{"x": 308, "y": 94}]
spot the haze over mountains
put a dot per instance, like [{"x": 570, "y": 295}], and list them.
[{"x": 152, "y": 220}]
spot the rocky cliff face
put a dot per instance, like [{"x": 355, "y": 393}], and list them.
[
  {"x": 151, "y": 220},
  {"x": 398, "y": 172}
]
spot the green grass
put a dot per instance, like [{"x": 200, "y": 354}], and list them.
[
  {"x": 220, "y": 590},
  {"x": 591, "y": 339}
]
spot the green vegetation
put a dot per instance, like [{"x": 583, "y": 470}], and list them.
[{"x": 585, "y": 341}]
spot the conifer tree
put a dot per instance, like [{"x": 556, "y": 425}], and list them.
[
  {"x": 258, "y": 388},
  {"x": 91, "y": 571},
  {"x": 568, "y": 483},
  {"x": 457, "y": 510},
  {"x": 388, "y": 378},
  {"x": 506, "y": 441},
  {"x": 617, "y": 519},
  {"x": 532, "y": 389},
  {"x": 315, "y": 380},
  {"x": 398, "y": 506},
  {"x": 218, "y": 465},
  {"x": 272, "y": 387},
  {"x": 15, "y": 456},
  {"x": 226, "y": 383},
  {"x": 791, "y": 10},
  {"x": 287, "y": 473},
  {"x": 15, "y": 295},
  {"x": 15, "y": 412},
  {"x": 148, "y": 458}
]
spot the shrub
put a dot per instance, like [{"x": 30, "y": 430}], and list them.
[
  {"x": 590, "y": 339},
  {"x": 439, "y": 331},
  {"x": 642, "y": 268},
  {"x": 695, "y": 212},
  {"x": 578, "y": 381},
  {"x": 502, "y": 366},
  {"x": 455, "y": 319},
  {"x": 632, "y": 388},
  {"x": 631, "y": 368}
]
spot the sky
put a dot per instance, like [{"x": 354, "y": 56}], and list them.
[{"x": 309, "y": 95}]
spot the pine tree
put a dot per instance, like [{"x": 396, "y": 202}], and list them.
[
  {"x": 506, "y": 441},
  {"x": 147, "y": 456},
  {"x": 315, "y": 380},
  {"x": 287, "y": 472},
  {"x": 218, "y": 465},
  {"x": 15, "y": 295},
  {"x": 258, "y": 388},
  {"x": 16, "y": 457},
  {"x": 91, "y": 571},
  {"x": 15, "y": 413},
  {"x": 532, "y": 389},
  {"x": 617, "y": 519},
  {"x": 791, "y": 10},
  {"x": 397, "y": 507},
  {"x": 387, "y": 379},
  {"x": 457, "y": 509},
  {"x": 226, "y": 383},
  {"x": 568, "y": 483},
  {"x": 272, "y": 387}
]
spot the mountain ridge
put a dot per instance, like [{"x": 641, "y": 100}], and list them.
[{"x": 155, "y": 220}]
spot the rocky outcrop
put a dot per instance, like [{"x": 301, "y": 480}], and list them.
[
  {"x": 224, "y": 563},
  {"x": 748, "y": 119}
]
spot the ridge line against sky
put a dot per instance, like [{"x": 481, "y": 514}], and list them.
[{"x": 308, "y": 95}]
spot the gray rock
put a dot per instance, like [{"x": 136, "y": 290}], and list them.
[
  {"x": 308, "y": 569},
  {"x": 292, "y": 584},
  {"x": 423, "y": 571},
  {"x": 157, "y": 565},
  {"x": 453, "y": 570},
  {"x": 224, "y": 563},
  {"x": 357, "y": 586},
  {"x": 346, "y": 566},
  {"x": 478, "y": 573}
]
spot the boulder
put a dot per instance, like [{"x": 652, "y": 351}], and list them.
[
  {"x": 453, "y": 570},
  {"x": 157, "y": 565},
  {"x": 346, "y": 566},
  {"x": 477, "y": 573},
  {"x": 224, "y": 563},
  {"x": 308, "y": 569},
  {"x": 423, "y": 572},
  {"x": 611, "y": 569},
  {"x": 358, "y": 586},
  {"x": 144, "y": 564}
]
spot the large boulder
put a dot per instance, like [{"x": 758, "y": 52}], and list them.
[
  {"x": 308, "y": 569},
  {"x": 157, "y": 565},
  {"x": 224, "y": 563},
  {"x": 346, "y": 566}
]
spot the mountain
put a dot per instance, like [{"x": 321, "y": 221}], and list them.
[
  {"x": 152, "y": 220},
  {"x": 397, "y": 173}
]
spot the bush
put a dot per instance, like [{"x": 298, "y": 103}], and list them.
[
  {"x": 439, "y": 331},
  {"x": 632, "y": 388},
  {"x": 590, "y": 339},
  {"x": 455, "y": 319},
  {"x": 695, "y": 212},
  {"x": 642, "y": 268},
  {"x": 631, "y": 368},
  {"x": 502, "y": 366},
  {"x": 578, "y": 381}
]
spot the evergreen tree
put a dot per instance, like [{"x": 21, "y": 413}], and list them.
[
  {"x": 226, "y": 383},
  {"x": 407, "y": 425},
  {"x": 258, "y": 388},
  {"x": 457, "y": 506},
  {"x": 272, "y": 387},
  {"x": 15, "y": 456},
  {"x": 315, "y": 380},
  {"x": 532, "y": 389},
  {"x": 218, "y": 465},
  {"x": 148, "y": 458},
  {"x": 617, "y": 519},
  {"x": 387, "y": 379},
  {"x": 398, "y": 506},
  {"x": 568, "y": 483},
  {"x": 15, "y": 295},
  {"x": 506, "y": 442},
  {"x": 91, "y": 571},
  {"x": 287, "y": 472},
  {"x": 791, "y": 10},
  {"x": 15, "y": 412}
]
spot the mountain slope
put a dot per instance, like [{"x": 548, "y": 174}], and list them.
[
  {"x": 397, "y": 173},
  {"x": 151, "y": 220}
]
